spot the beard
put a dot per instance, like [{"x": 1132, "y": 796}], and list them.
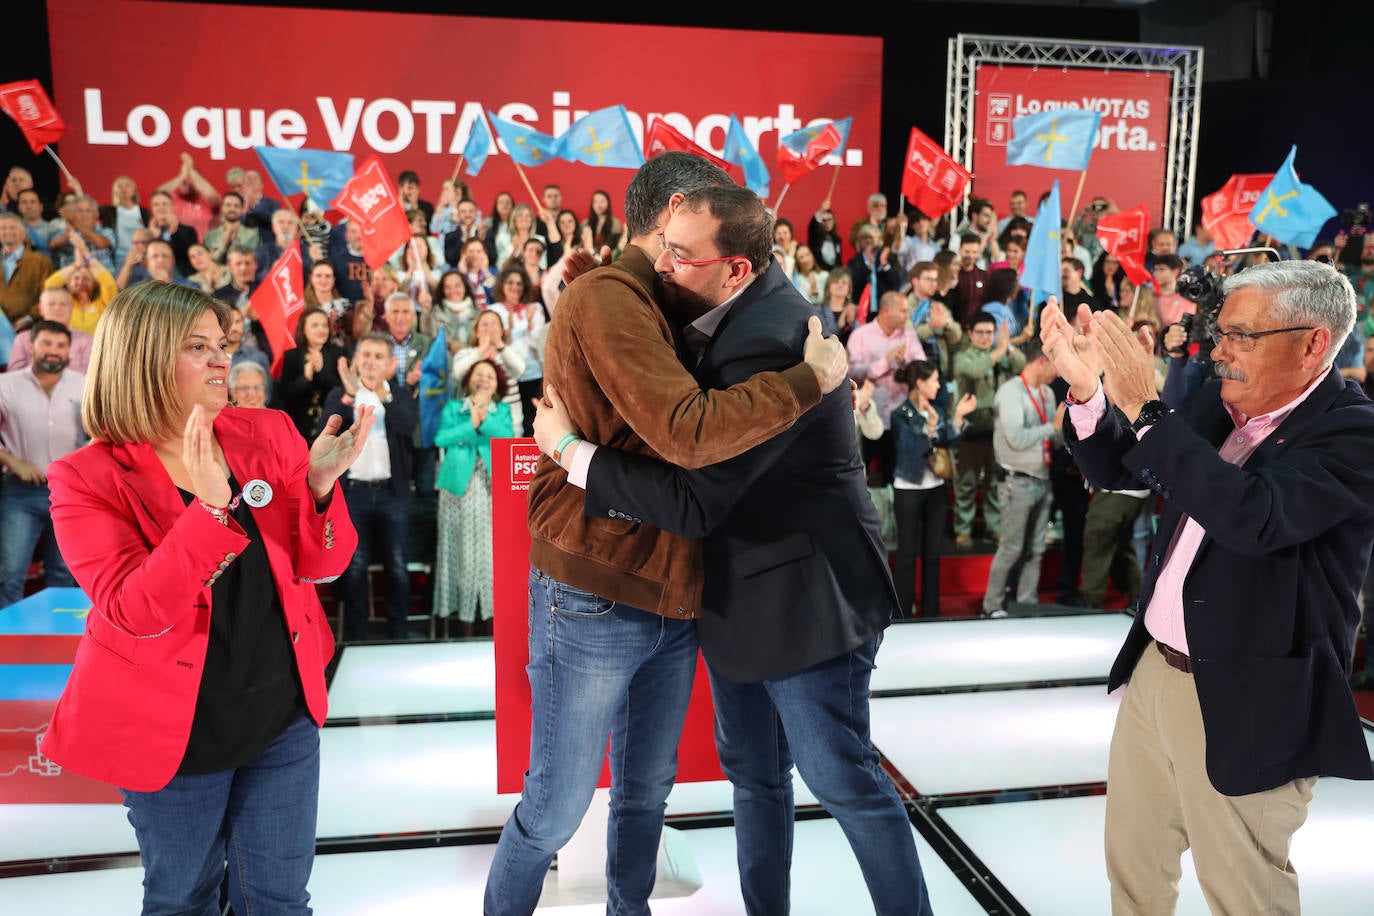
[
  {"x": 685, "y": 303},
  {"x": 50, "y": 365}
]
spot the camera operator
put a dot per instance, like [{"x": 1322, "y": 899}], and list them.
[
  {"x": 1359, "y": 270},
  {"x": 1084, "y": 227}
]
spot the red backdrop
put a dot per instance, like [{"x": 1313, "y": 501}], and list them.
[
  {"x": 408, "y": 87},
  {"x": 512, "y": 466},
  {"x": 1131, "y": 156}
]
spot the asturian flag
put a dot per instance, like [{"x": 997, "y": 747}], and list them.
[
  {"x": 526, "y": 145},
  {"x": 317, "y": 173},
  {"x": 1290, "y": 211},
  {"x": 742, "y": 152},
  {"x": 1057, "y": 139},
  {"x": 603, "y": 139},
  {"x": 478, "y": 147}
]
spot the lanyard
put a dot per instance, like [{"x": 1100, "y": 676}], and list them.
[{"x": 1039, "y": 407}]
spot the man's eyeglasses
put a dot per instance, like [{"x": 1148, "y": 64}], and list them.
[
  {"x": 679, "y": 261},
  {"x": 250, "y": 389},
  {"x": 1245, "y": 341}
]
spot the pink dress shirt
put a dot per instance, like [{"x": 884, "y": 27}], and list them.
[{"x": 1164, "y": 617}]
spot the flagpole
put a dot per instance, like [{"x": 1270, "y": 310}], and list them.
[
  {"x": 1135, "y": 297},
  {"x": 1073, "y": 210},
  {"x": 458, "y": 167},
  {"x": 781, "y": 195},
  {"x": 830, "y": 194},
  {"x": 60, "y": 164},
  {"x": 538, "y": 204}
]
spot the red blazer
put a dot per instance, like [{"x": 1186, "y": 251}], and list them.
[{"x": 148, "y": 562}]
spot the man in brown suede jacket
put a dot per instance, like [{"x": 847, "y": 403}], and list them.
[{"x": 612, "y": 601}]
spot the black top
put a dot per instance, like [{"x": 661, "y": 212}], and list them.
[{"x": 250, "y": 690}]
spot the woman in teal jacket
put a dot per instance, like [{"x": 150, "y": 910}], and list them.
[{"x": 463, "y": 559}]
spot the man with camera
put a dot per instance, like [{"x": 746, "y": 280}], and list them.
[
  {"x": 1361, "y": 273},
  {"x": 1237, "y": 662}
]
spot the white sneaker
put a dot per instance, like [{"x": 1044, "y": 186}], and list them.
[{"x": 997, "y": 614}]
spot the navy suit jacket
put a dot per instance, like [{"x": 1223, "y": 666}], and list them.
[
  {"x": 1270, "y": 600},
  {"x": 796, "y": 571}
]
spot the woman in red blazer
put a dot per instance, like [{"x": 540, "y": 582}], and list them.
[{"x": 198, "y": 534}]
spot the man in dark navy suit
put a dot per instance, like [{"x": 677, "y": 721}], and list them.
[
  {"x": 1239, "y": 655},
  {"x": 797, "y": 588}
]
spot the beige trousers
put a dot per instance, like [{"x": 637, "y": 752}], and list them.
[{"x": 1160, "y": 802}]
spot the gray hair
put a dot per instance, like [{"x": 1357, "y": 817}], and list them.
[
  {"x": 9, "y": 214},
  {"x": 1303, "y": 292},
  {"x": 668, "y": 173},
  {"x": 248, "y": 365}
]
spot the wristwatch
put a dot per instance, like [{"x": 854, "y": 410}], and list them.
[{"x": 1151, "y": 412}]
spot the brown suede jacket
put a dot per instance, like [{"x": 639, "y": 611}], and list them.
[{"x": 612, "y": 356}]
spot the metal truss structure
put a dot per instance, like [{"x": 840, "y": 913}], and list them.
[{"x": 1183, "y": 64}]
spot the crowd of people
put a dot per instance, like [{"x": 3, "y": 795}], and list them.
[
  {"x": 931, "y": 312},
  {"x": 985, "y": 416}
]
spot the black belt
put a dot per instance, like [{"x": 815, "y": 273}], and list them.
[
  {"x": 350, "y": 482},
  {"x": 1010, "y": 473},
  {"x": 1175, "y": 658}
]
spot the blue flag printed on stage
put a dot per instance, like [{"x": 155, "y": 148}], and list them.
[
  {"x": 318, "y": 174},
  {"x": 604, "y": 138},
  {"x": 740, "y": 151},
  {"x": 526, "y": 145},
  {"x": 433, "y": 387},
  {"x": 1059, "y": 139},
  {"x": 478, "y": 147},
  {"x": 1041, "y": 275},
  {"x": 1290, "y": 211}
]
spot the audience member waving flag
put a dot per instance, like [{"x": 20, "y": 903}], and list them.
[
  {"x": 370, "y": 201},
  {"x": 802, "y": 151},
  {"x": 1123, "y": 236},
  {"x": 662, "y": 136},
  {"x": 1290, "y": 211},
  {"x": 278, "y": 302},
  {"x": 28, "y": 103},
  {"x": 932, "y": 180},
  {"x": 1043, "y": 251},
  {"x": 740, "y": 150},
  {"x": 526, "y": 145},
  {"x": 317, "y": 173},
  {"x": 1059, "y": 139},
  {"x": 433, "y": 387},
  {"x": 1226, "y": 212},
  {"x": 478, "y": 147},
  {"x": 604, "y": 139}
]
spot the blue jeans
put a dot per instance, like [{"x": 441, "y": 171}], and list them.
[
  {"x": 260, "y": 818},
  {"x": 597, "y": 670},
  {"x": 817, "y": 718},
  {"x": 382, "y": 520},
  {"x": 25, "y": 518}
]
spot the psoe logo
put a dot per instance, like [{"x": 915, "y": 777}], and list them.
[{"x": 524, "y": 458}]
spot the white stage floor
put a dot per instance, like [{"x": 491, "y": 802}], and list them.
[{"x": 409, "y": 760}]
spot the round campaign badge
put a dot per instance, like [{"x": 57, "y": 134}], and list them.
[{"x": 257, "y": 493}]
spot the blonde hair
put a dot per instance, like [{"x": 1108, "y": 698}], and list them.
[{"x": 131, "y": 393}]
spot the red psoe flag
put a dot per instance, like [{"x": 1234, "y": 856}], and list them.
[
  {"x": 801, "y": 152},
  {"x": 931, "y": 179},
  {"x": 1226, "y": 213},
  {"x": 278, "y": 302},
  {"x": 1123, "y": 235},
  {"x": 662, "y": 136},
  {"x": 28, "y": 103},
  {"x": 370, "y": 200}
]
